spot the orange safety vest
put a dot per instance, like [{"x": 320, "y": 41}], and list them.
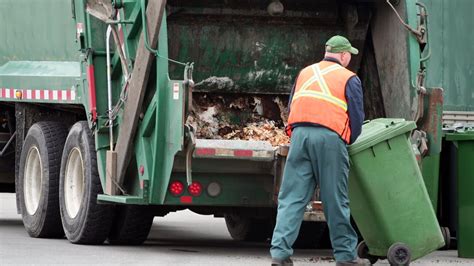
[{"x": 320, "y": 98}]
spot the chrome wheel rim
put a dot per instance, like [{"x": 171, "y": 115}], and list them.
[
  {"x": 33, "y": 180},
  {"x": 74, "y": 182}
]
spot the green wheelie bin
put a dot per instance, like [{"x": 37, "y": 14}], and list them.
[
  {"x": 388, "y": 198},
  {"x": 464, "y": 142}
]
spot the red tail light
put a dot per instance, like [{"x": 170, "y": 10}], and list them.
[
  {"x": 195, "y": 189},
  {"x": 176, "y": 188}
]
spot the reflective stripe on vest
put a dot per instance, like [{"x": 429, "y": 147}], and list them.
[
  {"x": 325, "y": 93},
  {"x": 319, "y": 98}
]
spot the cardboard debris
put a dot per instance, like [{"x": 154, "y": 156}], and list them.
[{"x": 239, "y": 118}]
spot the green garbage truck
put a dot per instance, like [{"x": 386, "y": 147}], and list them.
[{"x": 113, "y": 112}]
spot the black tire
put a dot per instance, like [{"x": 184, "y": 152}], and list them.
[
  {"x": 363, "y": 252},
  {"x": 325, "y": 242},
  {"x": 92, "y": 221},
  {"x": 45, "y": 140},
  {"x": 447, "y": 238},
  {"x": 131, "y": 225},
  {"x": 311, "y": 235},
  {"x": 248, "y": 229},
  {"x": 399, "y": 254}
]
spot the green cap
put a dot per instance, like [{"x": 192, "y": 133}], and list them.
[{"x": 339, "y": 44}]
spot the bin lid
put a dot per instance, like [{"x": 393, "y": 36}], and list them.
[
  {"x": 378, "y": 130},
  {"x": 460, "y": 136}
]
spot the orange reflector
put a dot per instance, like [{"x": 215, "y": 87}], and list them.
[{"x": 18, "y": 94}]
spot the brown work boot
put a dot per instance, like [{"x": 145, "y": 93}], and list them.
[
  {"x": 285, "y": 262},
  {"x": 357, "y": 261}
]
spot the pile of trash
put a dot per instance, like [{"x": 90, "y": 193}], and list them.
[
  {"x": 264, "y": 130},
  {"x": 234, "y": 117}
]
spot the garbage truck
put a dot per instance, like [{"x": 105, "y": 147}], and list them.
[{"x": 116, "y": 111}]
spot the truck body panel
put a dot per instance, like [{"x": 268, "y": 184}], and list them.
[{"x": 448, "y": 66}]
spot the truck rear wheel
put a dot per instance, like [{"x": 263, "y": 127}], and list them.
[
  {"x": 311, "y": 235},
  {"x": 248, "y": 229},
  {"x": 39, "y": 179},
  {"x": 131, "y": 225},
  {"x": 84, "y": 220}
]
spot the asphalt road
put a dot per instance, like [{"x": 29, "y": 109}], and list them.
[{"x": 181, "y": 238}]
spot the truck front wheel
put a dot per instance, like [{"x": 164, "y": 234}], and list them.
[
  {"x": 84, "y": 220},
  {"x": 39, "y": 179}
]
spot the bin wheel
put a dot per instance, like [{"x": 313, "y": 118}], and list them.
[
  {"x": 447, "y": 238},
  {"x": 363, "y": 252},
  {"x": 399, "y": 254}
]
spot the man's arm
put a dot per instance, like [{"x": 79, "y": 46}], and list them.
[{"x": 355, "y": 107}]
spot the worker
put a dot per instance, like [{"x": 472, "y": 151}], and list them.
[{"x": 326, "y": 114}]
